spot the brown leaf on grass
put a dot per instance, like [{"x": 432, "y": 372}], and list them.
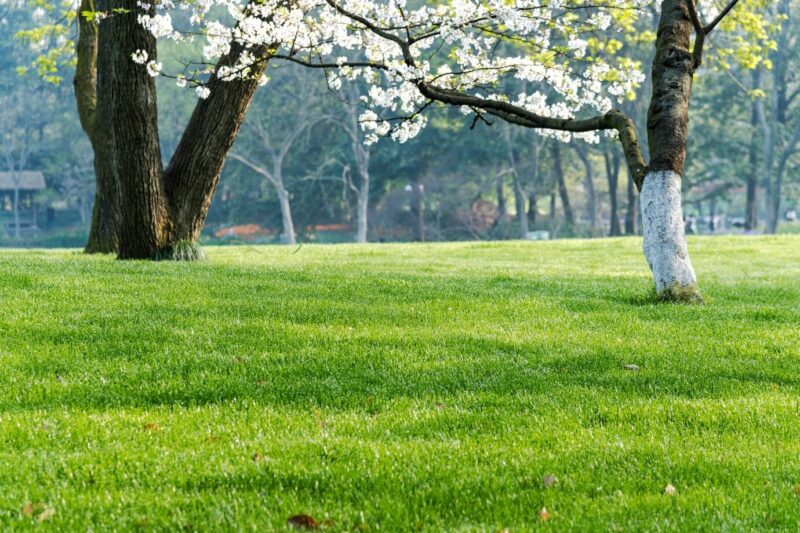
[
  {"x": 797, "y": 489},
  {"x": 151, "y": 426},
  {"x": 549, "y": 481},
  {"x": 47, "y": 514},
  {"x": 631, "y": 368},
  {"x": 544, "y": 516},
  {"x": 258, "y": 458},
  {"x": 38, "y": 510},
  {"x": 303, "y": 521}
]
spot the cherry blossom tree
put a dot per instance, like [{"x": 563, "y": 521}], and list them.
[{"x": 461, "y": 53}]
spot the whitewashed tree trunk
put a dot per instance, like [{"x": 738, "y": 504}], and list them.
[
  {"x": 286, "y": 216},
  {"x": 664, "y": 237}
]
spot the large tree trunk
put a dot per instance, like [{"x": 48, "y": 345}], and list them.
[
  {"x": 563, "y": 193},
  {"x": 667, "y": 128},
  {"x": 104, "y": 229},
  {"x": 193, "y": 173},
  {"x": 163, "y": 212},
  {"x": 612, "y": 174},
  {"x": 145, "y": 224}
]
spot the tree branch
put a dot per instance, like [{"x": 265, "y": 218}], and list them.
[{"x": 722, "y": 14}]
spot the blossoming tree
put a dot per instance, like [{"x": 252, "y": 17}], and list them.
[{"x": 465, "y": 53}]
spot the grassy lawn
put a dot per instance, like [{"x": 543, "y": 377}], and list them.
[{"x": 401, "y": 387}]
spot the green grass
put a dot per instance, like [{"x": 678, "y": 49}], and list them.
[{"x": 401, "y": 387}]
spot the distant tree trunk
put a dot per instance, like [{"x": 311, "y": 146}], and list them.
[
  {"x": 362, "y": 156},
  {"x": 163, "y": 211},
  {"x": 558, "y": 167},
  {"x": 612, "y": 174},
  {"x": 104, "y": 228},
  {"x": 286, "y": 216},
  {"x": 631, "y": 210},
  {"x": 519, "y": 204},
  {"x": 533, "y": 199},
  {"x": 519, "y": 191},
  {"x": 712, "y": 213},
  {"x": 751, "y": 207},
  {"x": 419, "y": 208},
  {"x": 362, "y": 211},
  {"x": 16, "y": 205},
  {"x": 591, "y": 202},
  {"x": 501, "y": 203}
]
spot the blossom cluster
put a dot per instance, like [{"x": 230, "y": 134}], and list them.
[{"x": 534, "y": 54}]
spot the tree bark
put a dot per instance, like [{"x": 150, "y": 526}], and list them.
[
  {"x": 104, "y": 229},
  {"x": 664, "y": 242},
  {"x": 162, "y": 212},
  {"x": 145, "y": 219},
  {"x": 193, "y": 173}
]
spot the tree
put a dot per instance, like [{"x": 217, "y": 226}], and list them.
[
  {"x": 347, "y": 120},
  {"x": 163, "y": 209},
  {"x": 274, "y": 138},
  {"x": 404, "y": 35},
  {"x": 106, "y": 218}
]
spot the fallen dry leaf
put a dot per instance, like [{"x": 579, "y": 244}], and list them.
[
  {"x": 797, "y": 489},
  {"x": 670, "y": 490},
  {"x": 303, "y": 521},
  {"x": 151, "y": 426},
  {"x": 38, "y": 510},
  {"x": 632, "y": 368},
  {"x": 549, "y": 481},
  {"x": 47, "y": 514},
  {"x": 544, "y": 516}
]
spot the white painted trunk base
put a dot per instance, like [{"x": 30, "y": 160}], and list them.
[{"x": 664, "y": 236}]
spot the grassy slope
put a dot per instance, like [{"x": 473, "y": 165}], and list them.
[{"x": 398, "y": 387}]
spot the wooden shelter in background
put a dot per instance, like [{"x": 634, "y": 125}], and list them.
[{"x": 26, "y": 183}]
